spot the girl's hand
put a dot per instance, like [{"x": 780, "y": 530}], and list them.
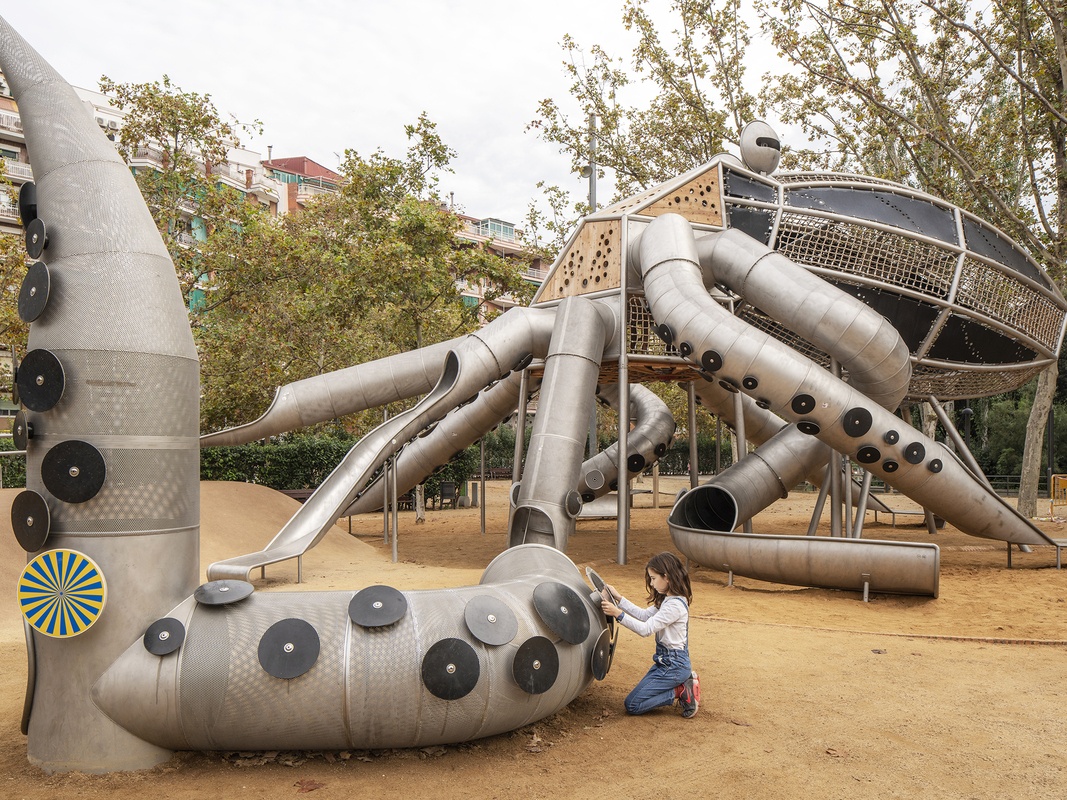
[
  {"x": 609, "y": 608},
  {"x": 609, "y": 593}
]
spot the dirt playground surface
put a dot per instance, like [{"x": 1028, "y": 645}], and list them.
[{"x": 807, "y": 693}]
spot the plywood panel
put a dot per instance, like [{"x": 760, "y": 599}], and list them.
[
  {"x": 591, "y": 264},
  {"x": 698, "y": 201}
]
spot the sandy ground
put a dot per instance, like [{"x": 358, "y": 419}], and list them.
[{"x": 806, "y": 692}]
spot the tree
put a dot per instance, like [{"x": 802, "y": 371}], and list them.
[
  {"x": 698, "y": 96},
  {"x": 366, "y": 272},
  {"x": 966, "y": 101},
  {"x": 185, "y": 138}
]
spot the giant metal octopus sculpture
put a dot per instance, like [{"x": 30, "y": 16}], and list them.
[{"x": 131, "y": 659}]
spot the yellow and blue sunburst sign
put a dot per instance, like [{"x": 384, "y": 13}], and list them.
[{"x": 61, "y": 593}]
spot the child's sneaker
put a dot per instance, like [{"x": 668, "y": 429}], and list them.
[{"x": 689, "y": 696}]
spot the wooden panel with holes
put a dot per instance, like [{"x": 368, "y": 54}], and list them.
[
  {"x": 698, "y": 201},
  {"x": 593, "y": 262}
]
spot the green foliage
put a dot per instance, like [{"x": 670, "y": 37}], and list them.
[{"x": 12, "y": 468}]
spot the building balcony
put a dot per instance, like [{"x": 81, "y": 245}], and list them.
[
  {"x": 9, "y": 210},
  {"x": 11, "y": 122},
  {"x": 17, "y": 171}
]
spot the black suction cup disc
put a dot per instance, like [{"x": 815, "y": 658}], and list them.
[
  {"x": 891, "y": 437},
  {"x": 750, "y": 382},
  {"x": 808, "y": 427},
  {"x": 729, "y": 386},
  {"x": 857, "y": 421},
  {"x": 490, "y": 620},
  {"x": 711, "y": 361},
  {"x": 915, "y": 453},
  {"x": 33, "y": 296},
  {"x": 376, "y": 606},
  {"x": 763, "y": 403},
  {"x": 868, "y": 455},
  {"x": 636, "y": 462},
  {"x": 685, "y": 349},
  {"x": 665, "y": 333},
  {"x": 40, "y": 380},
  {"x": 164, "y": 636},
  {"x": 28, "y": 203},
  {"x": 601, "y": 659},
  {"x": 803, "y": 404},
  {"x": 890, "y": 466},
  {"x": 595, "y": 579},
  {"x": 450, "y": 669},
  {"x": 73, "y": 471},
  {"x": 30, "y": 520},
  {"x": 21, "y": 431},
  {"x": 562, "y": 611},
  {"x": 536, "y": 665},
  {"x": 661, "y": 449},
  {"x": 935, "y": 465},
  {"x": 289, "y": 648},
  {"x": 221, "y": 593},
  {"x": 36, "y": 238}
]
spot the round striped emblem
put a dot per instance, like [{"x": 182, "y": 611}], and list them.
[{"x": 61, "y": 593}]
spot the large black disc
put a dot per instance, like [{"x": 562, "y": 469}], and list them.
[
  {"x": 73, "y": 471},
  {"x": 33, "y": 296},
  {"x": 36, "y": 238},
  {"x": 164, "y": 636},
  {"x": 221, "y": 593},
  {"x": 40, "y": 380},
  {"x": 21, "y": 431},
  {"x": 376, "y": 606},
  {"x": 595, "y": 579},
  {"x": 562, "y": 611},
  {"x": 289, "y": 648},
  {"x": 857, "y": 421},
  {"x": 915, "y": 453},
  {"x": 602, "y": 653},
  {"x": 490, "y": 620},
  {"x": 450, "y": 669},
  {"x": 28, "y": 203},
  {"x": 30, "y": 520},
  {"x": 536, "y": 665},
  {"x": 803, "y": 404}
]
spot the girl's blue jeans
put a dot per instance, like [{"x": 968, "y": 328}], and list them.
[{"x": 669, "y": 669}]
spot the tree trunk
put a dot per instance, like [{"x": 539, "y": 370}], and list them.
[{"x": 1035, "y": 440}]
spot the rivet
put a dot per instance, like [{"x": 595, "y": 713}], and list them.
[
  {"x": 40, "y": 380},
  {"x": 564, "y": 610},
  {"x": 33, "y": 291},
  {"x": 29, "y": 522},
  {"x": 491, "y": 618},
  {"x": 450, "y": 668},
  {"x": 377, "y": 604},
  {"x": 74, "y": 472},
  {"x": 288, "y": 647},
  {"x": 224, "y": 588},
  {"x": 164, "y": 635},
  {"x": 536, "y": 665}
]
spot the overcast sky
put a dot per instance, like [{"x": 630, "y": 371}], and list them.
[{"x": 325, "y": 75}]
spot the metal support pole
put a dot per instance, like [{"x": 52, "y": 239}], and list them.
[
  {"x": 742, "y": 442},
  {"x": 623, "y": 508},
  {"x": 392, "y": 491},
  {"x": 718, "y": 445},
  {"x": 385, "y": 490},
  {"x": 820, "y": 502},
  {"x": 694, "y": 452},
  {"x": 961, "y": 446},
  {"x": 481, "y": 483},
  {"x": 861, "y": 508},
  {"x": 835, "y": 474},
  {"x": 520, "y": 427},
  {"x": 846, "y": 463},
  {"x": 655, "y": 485}
]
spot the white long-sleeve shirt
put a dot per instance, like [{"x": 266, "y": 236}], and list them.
[{"x": 669, "y": 622}]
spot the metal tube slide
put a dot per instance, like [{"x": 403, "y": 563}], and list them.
[
  {"x": 454, "y": 665},
  {"x": 472, "y": 365},
  {"x": 548, "y": 503},
  {"x": 802, "y": 392},
  {"x": 829, "y": 563},
  {"x": 458, "y": 430},
  {"x": 384, "y": 380},
  {"x": 857, "y": 336},
  {"x": 653, "y": 433}
]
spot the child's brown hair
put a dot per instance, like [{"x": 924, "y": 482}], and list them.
[{"x": 668, "y": 565}]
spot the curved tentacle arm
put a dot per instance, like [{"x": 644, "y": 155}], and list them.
[
  {"x": 801, "y": 391},
  {"x": 653, "y": 432}
]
